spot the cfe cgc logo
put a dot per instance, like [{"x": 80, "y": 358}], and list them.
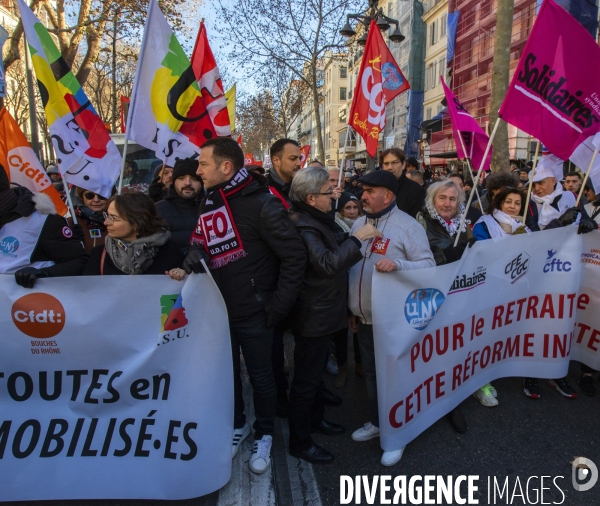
[
  {"x": 421, "y": 305},
  {"x": 555, "y": 264},
  {"x": 517, "y": 267}
]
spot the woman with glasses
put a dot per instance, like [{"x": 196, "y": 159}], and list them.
[
  {"x": 321, "y": 307},
  {"x": 90, "y": 217},
  {"x": 137, "y": 241}
]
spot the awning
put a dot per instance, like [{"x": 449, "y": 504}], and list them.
[{"x": 359, "y": 160}]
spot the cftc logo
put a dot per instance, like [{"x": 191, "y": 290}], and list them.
[{"x": 584, "y": 474}]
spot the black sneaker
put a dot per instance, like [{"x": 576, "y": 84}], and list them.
[
  {"x": 531, "y": 388},
  {"x": 586, "y": 382},
  {"x": 563, "y": 388}
]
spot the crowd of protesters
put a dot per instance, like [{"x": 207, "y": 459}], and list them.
[{"x": 301, "y": 251}]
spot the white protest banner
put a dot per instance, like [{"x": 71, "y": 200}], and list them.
[
  {"x": 510, "y": 307},
  {"x": 114, "y": 388}
]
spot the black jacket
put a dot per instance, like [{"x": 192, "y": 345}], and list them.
[
  {"x": 181, "y": 216},
  {"x": 410, "y": 196},
  {"x": 321, "y": 307},
  {"x": 56, "y": 243},
  {"x": 282, "y": 189},
  {"x": 168, "y": 257},
  {"x": 440, "y": 242},
  {"x": 272, "y": 270}
]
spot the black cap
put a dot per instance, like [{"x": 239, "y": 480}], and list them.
[
  {"x": 185, "y": 167},
  {"x": 345, "y": 198},
  {"x": 4, "y": 184},
  {"x": 412, "y": 161},
  {"x": 529, "y": 164},
  {"x": 380, "y": 178}
]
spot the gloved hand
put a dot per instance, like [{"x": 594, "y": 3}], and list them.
[
  {"x": 452, "y": 254},
  {"x": 193, "y": 260},
  {"x": 520, "y": 230},
  {"x": 274, "y": 317},
  {"x": 569, "y": 216},
  {"x": 586, "y": 225},
  {"x": 156, "y": 190},
  {"x": 26, "y": 276},
  {"x": 472, "y": 241},
  {"x": 78, "y": 232}
]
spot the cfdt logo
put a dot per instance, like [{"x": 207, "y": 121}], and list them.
[
  {"x": 38, "y": 315},
  {"x": 517, "y": 267},
  {"x": 584, "y": 474},
  {"x": 554, "y": 264},
  {"x": 421, "y": 305},
  {"x": 8, "y": 246}
]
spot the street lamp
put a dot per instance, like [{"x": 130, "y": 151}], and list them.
[{"x": 383, "y": 23}]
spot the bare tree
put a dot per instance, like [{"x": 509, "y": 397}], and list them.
[
  {"x": 256, "y": 119},
  {"x": 500, "y": 75},
  {"x": 292, "y": 33}
]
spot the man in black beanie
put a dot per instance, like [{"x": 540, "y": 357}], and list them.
[
  {"x": 181, "y": 207},
  {"x": 34, "y": 241}
]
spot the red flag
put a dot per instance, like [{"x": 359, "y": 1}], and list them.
[
  {"x": 239, "y": 140},
  {"x": 304, "y": 152},
  {"x": 124, "y": 113},
  {"x": 208, "y": 116},
  {"x": 379, "y": 81},
  {"x": 248, "y": 158}
]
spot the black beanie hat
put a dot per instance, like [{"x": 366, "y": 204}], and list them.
[
  {"x": 380, "y": 178},
  {"x": 185, "y": 167},
  {"x": 344, "y": 199},
  {"x": 4, "y": 184}
]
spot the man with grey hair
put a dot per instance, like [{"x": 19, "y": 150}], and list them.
[
  {"x": 321, "y": 307},
  {"x": 403, "y": 246},
  {"x": 416, "y": 176}
]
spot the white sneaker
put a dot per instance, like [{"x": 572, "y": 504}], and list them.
[
  {"x": 332, "y": 367},
  {"x": 261, "y": 455},
  {"x": 486, "y": 397},
  {"x": 238, "y": 436},
  {"x": 368, "y": 431},
  {"x": 492, "y": 389},
  {"x": 391, "y": 458}
]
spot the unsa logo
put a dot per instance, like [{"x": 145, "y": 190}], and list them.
[
  {"x": 9, "y": 245},
  {"x": 38, "y": 315},
  {"x": 421, "y": 305}
]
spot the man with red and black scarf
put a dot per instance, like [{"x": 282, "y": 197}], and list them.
[{"x": 258, "y": 261}]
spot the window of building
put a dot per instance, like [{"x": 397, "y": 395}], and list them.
[
  {"x": 433, "y": 33},
  {"x": 428, "y": 114},
  {"x": 443, "y": 25},
  {"x": 343, "y": 72},
  {"x": 342, "y": 94}
]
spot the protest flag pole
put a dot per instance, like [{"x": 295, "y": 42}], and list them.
[
  {"x": 476, "y": 181},
  {"x": 69, "y": 201},
  {"x": 587, "y": 175},
  {"x": 537, "y": 150},
  {"x": 462, "y": 142},
  {"x": 207, "y": 269},
  {"x": 343, "y": 161}
]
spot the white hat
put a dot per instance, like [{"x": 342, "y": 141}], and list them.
[{"x": 542, "y": 173}]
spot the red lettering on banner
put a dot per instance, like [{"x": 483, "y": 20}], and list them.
[
  {"x": 441, "y": 343},
  {"x": 531, "y": 307},
  {"x": 583, "y": 301},
  {"x": 418, "y": 399}
]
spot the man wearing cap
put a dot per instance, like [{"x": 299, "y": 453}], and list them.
[
  {"x": 181, "y": 207},
  {"x": 410, "y": 197},
  {"x": 404, "y": 246}
]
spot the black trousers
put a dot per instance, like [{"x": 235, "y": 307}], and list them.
[
  {"x": 255, "y": 340},
  {"x": 306, "y": 406}
]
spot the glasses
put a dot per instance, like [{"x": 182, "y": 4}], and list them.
[
  {"x": 91, "y": 195},
  {"x": 330, "y": 192},
  {"x": 110, "y": 219}
]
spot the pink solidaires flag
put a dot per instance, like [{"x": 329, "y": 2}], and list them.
[
  {"x": 555, "y": 91},
  {"x": 474, "y": 139}
]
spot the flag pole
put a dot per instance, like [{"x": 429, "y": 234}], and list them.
[
  {"x": 462, "y": 142},
  {"x": 69, "y": 201},
  {"x": 537, "y": 150},
  {"x": 342, "y": 169},
  {"x": 587, "y": 175},
  {"x": 476, "y": 181}
]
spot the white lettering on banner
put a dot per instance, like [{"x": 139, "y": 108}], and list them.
[
  {"x": 114, "y": 412},
  {"x": 217, "y": 227},
  {"x": 24, "y": 164},
  {"x": 372, "y": 94},
  {"x": 491, "y": 327}
]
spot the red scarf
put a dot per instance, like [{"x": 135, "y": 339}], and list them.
[{"x": 216, "y": 231}]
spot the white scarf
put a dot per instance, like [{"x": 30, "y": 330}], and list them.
[
  {"x": 547, "y": 213},
  {"x": 451, "y": 227},
  {"x": 506, "y": 219}
]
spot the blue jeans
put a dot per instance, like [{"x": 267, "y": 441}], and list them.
[
  {"x": 255, "y": 340},
  {"x": 367, "y": 355}
]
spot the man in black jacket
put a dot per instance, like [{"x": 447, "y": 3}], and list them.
[
  {"x": 410, "y": 196},
  {"x": 181, "y": 207},
  {"x": 258, "y": 261},
  {"x": 285, "y": 157},
  {"x": 34, "y": 241}
]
